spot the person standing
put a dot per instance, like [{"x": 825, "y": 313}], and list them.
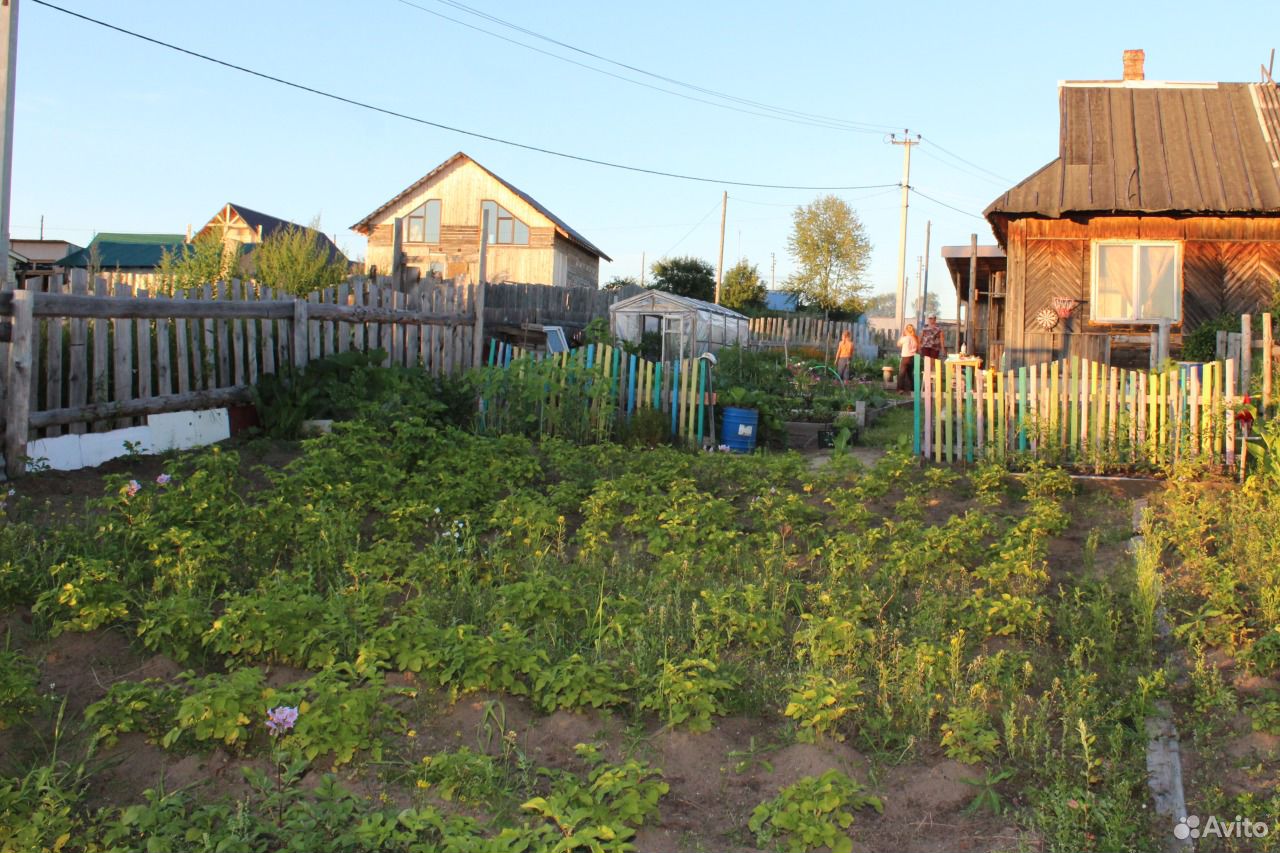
[
  {"x": 844, "y": 353},
  {"x": 933, "y": 344},
  {"x": 908, "y": 346}
]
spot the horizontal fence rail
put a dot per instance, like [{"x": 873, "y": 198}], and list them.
[
  {"x": 1078, "y": 411},
  {"x": 84, "y": 357}
]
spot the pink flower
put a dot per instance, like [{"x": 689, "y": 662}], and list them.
[
  {"x": 133, "y": 488},
  {"x": 163, "y": 480}
]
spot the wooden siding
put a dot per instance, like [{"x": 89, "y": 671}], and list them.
[
  {"x": 462, "y": 188},
  {"x": 1229, "y": 266},
  {"x": 575, "y": 267}
]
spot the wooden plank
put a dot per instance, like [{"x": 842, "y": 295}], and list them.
[
  {"x": 411, "y": 343},
  {"x": 1246, "y": 353},
  {"x": 78, "y": 354},
  {"x": 164, "y": 375},
  {"x": 22, "y": 347},
  {"x": 122, "y": 356},
  {"x": 344, "y": 328},
  {"x": 143, "y": 337},
  {"x": 979, "y": 389},
  {"x": 53, "y": 358},
  {"x": 313, "y": 327},
  {"x": 99, "y": 386},
  {"x": 1229, "y": 400},
  {"x": 1141, "y": 450},
  {"x": 251, "y": 340},
  {"x": 143, "y": 406},
  {"x": 299, "y": 330},
  {"x": 235, "y": 292},
  {"x": 209, "y": 345},
  {"x": 329, "y": 296},
  {"x": 1267, "y": 359},
  {"x": 224, "y": 340}
]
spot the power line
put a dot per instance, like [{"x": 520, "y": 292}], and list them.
[
  {"x": 691, "y": 230},
  {"x": 888, "y": 188},
  {"x": 979, "y": 175},
  {"x": 922, "y": 195},
  {"x": 864, "y": 126},
  {"x": 418, "y": 120},
  {"x": 967, "y": 162},
  {"x": 829, "y": 125}
]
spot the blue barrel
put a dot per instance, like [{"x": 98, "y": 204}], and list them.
[{"x": 739, "y": 430}]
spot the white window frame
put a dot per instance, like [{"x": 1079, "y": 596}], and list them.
[{"x": 1135, "y": 245}]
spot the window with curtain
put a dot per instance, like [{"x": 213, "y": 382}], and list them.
[
  {"x": 1136, "y": 282},
  {"x": 422, "y": 225},
  {"x": 504, "y": 229}
]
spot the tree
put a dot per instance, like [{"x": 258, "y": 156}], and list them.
[
  {"x": 295, "y": 260},
  {"x": 742, "y": 287},
  {"x": 882, "y": 305},
  {"x": 931, "y": 304},
  {"x": 686, "y": 276},
  {"x": 204, "y": 260},
  {"x": 620, "y": 282},
  {"x": 831, "y": 252}
]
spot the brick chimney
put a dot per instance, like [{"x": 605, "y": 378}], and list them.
[{"x": 1133, "y": 61}]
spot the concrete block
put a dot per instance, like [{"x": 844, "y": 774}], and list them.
[{"x": 185, "y": 430}]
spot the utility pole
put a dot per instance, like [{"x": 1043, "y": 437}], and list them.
[
  {"x": 773, "y": 269},
  {"x": 919, "y": 283},
  {"x": 642, "y": 255},
  {"x": 9, "y": 68},
  {"x": 724, "y": 209},
  {"x": 906, "y": 142},
  {"x": 924, "y": 291}
]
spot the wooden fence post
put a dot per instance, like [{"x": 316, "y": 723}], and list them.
[
  {"x": 18, "y": 408},
  {"x": 1266, "y": 362}
]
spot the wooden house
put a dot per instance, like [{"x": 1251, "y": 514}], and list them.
[
  {"x": 242, "y": 228},
  {"x": 1162, "y": 207},
  {"x": 432, "y": 227}
]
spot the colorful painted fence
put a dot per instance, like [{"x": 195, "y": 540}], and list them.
[
  {"x": 1078, "y": 412},
  {"x": 620, "y": 384}
]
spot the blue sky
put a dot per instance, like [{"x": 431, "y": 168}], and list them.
[{"x": 113, "y": 134}]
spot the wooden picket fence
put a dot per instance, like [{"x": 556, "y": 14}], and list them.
[
  {"x": 1080, "y": 412},
  {"x": 812, "y": 332},
  {"x": 86, "y": 359},
  {"x": 678, "y": 388}
]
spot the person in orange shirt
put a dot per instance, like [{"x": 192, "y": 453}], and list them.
[{"x": 844, "y": 352}]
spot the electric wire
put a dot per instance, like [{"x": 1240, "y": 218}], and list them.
[
  {"x": 438, "y": 125},
  {"x": 944, "y": 204}
]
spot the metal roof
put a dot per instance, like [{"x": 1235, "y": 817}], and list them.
[
  {"x": 654, "y": 298},
  {"x": 1142, "y": 147},
  {"x": 125, "y": 251},
  {"x": 268, "y": 225},
  {"x": 364, "y": 226}
]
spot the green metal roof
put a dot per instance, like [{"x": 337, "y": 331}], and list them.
[{"x": 125, "y": 251}]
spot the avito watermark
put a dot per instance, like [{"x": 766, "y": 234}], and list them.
[{"x": 1216, "y": 827}]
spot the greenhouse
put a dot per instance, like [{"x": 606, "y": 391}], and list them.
[{"x": 685, "y": 327}]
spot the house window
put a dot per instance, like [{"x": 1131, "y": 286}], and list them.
[
  {"x": 504, "y": 228},
  {"x": 423, "y": 224},
  {"x": 1136, "y": 282}
]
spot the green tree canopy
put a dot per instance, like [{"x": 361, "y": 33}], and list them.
[
  {"x": 618, "y": 282},
  {"x": 685, "y": 276},
  {"x": 831, "y": 252},
  {"x": 204, "y": 260},
  {"x": 296, "y": 261},
  {"x": 881, "y": 305},
  {"x": 742, "y": 287}
]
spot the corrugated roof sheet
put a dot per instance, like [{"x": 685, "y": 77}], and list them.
[
  {"x": 654, "y": 298},
  {"x": 125, "y": 251},
  {"x": 366, "y": 224},
  {"x": 1171, "y": 148}
]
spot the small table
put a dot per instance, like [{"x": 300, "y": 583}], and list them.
[{"x": 973, "y": 361}]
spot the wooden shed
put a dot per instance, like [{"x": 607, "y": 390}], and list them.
[
  {"x": 1162, "y": 207},
  {"x": 689, "y": 327}
]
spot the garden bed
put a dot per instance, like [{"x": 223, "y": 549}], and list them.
[{"x": 923, "y": 651}]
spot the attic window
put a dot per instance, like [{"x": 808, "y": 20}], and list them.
[
  {"x": 1136, "y": 281},
  {"x": 423, "y": 224},
  {"x": 504, "y": 229}
]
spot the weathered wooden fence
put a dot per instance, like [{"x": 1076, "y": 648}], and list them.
[
  {"x": 513, "y": 305},
  {"x": 84, "y": 359},
  {"x": 678, "y": 388},
  {"x": 1080, "y": 412},
  {"x": 814, "y": 333}
]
